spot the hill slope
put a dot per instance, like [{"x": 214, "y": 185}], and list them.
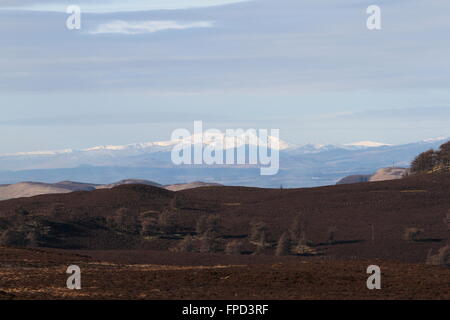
[
  {"x": 29, "y": 189},
  {"x": 369, "y": 218}
]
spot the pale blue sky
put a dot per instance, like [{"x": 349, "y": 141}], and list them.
[
  {"x": 111, "y": 6},
  {"x": 310, "y": 68}
]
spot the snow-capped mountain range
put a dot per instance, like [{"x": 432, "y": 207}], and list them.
[
  {"x": 219, "y": 140},
  {"x": 300, "y": 166},
  {"x": 206, "y": 140}
]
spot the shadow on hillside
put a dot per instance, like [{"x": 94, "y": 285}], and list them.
[
  {"x": 335, "y": 243},
  {"x": 241, "y": 236},
  {"x": 429, "y": 240}
]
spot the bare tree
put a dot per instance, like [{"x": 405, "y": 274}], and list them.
[
  {"x": 210, "y": 243},
  {"x": 233, "y": 247},
  {"x": 256, "y": 229},
  {"x": 32, "y": 238},
  {"x": 283, "y": 245},
  {"x": 185, "y": 245},
  {"x": 261, "y": 244},
  {"x": 124, "y": 220},
  {"x": 298, "y": 229},
  {"x": 208, "y": 225},
  {"x": 167, "y": 220},
  {"x": 13, "y": 238},
  {"x": 442, "y": 258},
  {"x": 208, "y": 230},
  {"x": 148, "y": 226}
]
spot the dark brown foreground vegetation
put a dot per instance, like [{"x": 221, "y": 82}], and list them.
[{"x": 40, "y": 274}]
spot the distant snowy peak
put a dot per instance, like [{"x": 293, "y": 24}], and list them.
[
  {"x": 318, "y": 148},
  {"x": 206, "y": 139},
  {"x": 235, "y": 141},
  {"x": 37, "y": 153},
  {"x": 436, "y": 139},
  {"x": 214, "y": 140},
  {"x": 315, "y": 148},
  {"x": 367, "y": 144},
  {"x": 143, "y": 145}
]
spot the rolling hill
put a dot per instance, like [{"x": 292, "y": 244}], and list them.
[
  {"x": 369, "y": 219},
  {"x": 29, "y": 189}
]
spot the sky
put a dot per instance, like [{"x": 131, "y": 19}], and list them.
[{"x": 137, "y": 70}]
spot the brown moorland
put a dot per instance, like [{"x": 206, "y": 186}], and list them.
[
  {"x": 369, "y": 219},
  {"x": 368, "y": 222},
  {"x": 40, "y": 274}
]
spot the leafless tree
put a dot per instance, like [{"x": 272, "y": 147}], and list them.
[
  {"x": 13, "y": 238},
  {"x": 209, "y": 243},
  {"x": 167, "y": 220},
  {"x": 210, "y": 225},
  {"x": 148, "y": 226},
  {"x": 298, "y": 229},
  {"x": 124, "y": 220},
  {"x": 233, "y": 247},
  {"x": 283, "y": 245},
  {"x": 261, "y": 243},
  {"x": 185, "y": 245},
  {"x": 442, "y": 258},
  {"x": 256, "y": 229}
]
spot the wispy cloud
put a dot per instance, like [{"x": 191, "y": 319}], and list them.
[{"x": 141, "y": 27}]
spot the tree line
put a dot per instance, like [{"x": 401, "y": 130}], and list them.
[{"x": 432, "y": 160}]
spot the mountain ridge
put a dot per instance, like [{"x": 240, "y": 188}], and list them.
[
  {"x": 300, "y": 166},
  {"x": 28, "y": 189}
]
